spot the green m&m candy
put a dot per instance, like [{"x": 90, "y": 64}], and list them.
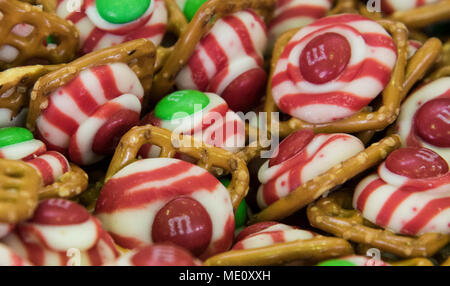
[
  {"x": 14, "y": 135},
  {"x": 122, "y": 11},
  {"x": 181, "y": 104},
  {"x": 241, "y": 214},
  {"x": 191, "y": 7},
  {"x": 337, "y": 262}
]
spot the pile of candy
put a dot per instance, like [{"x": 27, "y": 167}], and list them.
[{"x": 125, "y": 137}]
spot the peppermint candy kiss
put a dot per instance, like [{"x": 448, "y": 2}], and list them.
[
  {"x": 410, "y": 195},
  {"x": 228, "y": 61},
  {"x": 167, "y": 200},
  {"x": 291, "y": 14},
  {"x": 86, "y": 118},
  {"x": 106, "y": 23},
  {"x": 424, "y": 119},
  {"x": 301, "y": 157},
  {"x": 333, "y": 68},
  {"x": 57, "y": 226},
  {"x": 18, "y": 144}
]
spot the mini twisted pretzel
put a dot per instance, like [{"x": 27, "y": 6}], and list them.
[
  {"x": 344, "y": 6},
  {"x": 138, "y": 54},
  {"x": 67, "y": 186},
  {"x": 16, "y": 83},
  {"x": 423, "y": 16},
  {"x": 402, "y": 79},
  {"x": 363, "y": 249},
  {"x": 24, "y": 33},
  {"x": 203, "y": 21},
  {"x": 339, "y": 174},
  {"x": 437, "y": 74},
  {"x": 446, "y": 262},
  {"x": 329, "y": 214},
  {"x": 315, "y": 249},
  {"x": 208, "y": 157},
  {"x": 19, "y": 186}
]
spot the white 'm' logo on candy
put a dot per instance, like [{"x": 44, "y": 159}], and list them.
[
  {"x": 444, "y": 116},
  {"x": 164, "y": 255},
  {"x": 59, "y": 203},
  {"x": 177, "y": 223},
  {"x": 427, "y": 156},
  {"x": 316, "y": 56}
]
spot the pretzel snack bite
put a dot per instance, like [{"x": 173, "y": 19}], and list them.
[
  {"x": 339, "y": 174},
  {"x": 332, "y": 215},
  {"x": 19, "y": 186},
  {"x": 208, "y": 157},
  {"x": 25, "y": 31}
]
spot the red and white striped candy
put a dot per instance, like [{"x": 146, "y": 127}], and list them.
[
  {"x": 228, "y": 61},
  {"x": 333, "y": 68},
  {"x": 391, "y": 6},
  {"x": 25, "y": 151},
  {"x": 8, "y": 120},
  {"x": 424, "y": 119},
  {"x": 269, "y": 233},
  {"x": 9, "y": 258},
  {"x": 157, "y": 255},
  {"x": 215, "y": 125},
  {"x": 291, "y": 14},
  {"x": 96, "y": 33},
  {"x": 301, "y": 157},
  {"x": 57, "y": 227},
  {"x": 167, "y": 200},
  {"x": 5, "y": 229},
  {"x": 51, "y": 166},
  {"x": 86, "y": 117},
  {"x": 409, "y": 195}
]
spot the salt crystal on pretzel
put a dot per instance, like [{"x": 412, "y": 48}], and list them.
[
  {"x": 9, "y": 258},
  {"x": 57, "y": 226},
  {"x": 424, "y": 119},
  {"x": 228, "y": 61},
  {"x": 106, "y": 23},
  {"x": 291, "y": 14},
  {"x": 409, "y": 195},
  {"x": 83, "y": 116},
  {"x": 333, "y": 68},
  {"x": 163, "y": 199},
  {"x": 301, "y": 157},
  {"x": 205, "y": 116},
  {"x": 157, "y": 255},
  {"x": 391, "y": 6}
]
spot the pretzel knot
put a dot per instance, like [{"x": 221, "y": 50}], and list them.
[
  {"x": 19, "y": 186},
  {"x": 335, "y": 215},
  {"x": 28, "y": 33}
]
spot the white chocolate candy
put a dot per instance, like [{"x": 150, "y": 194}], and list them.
[
  {"x": 333, "y": 68},
  {"x": 269, "y": 235},
  {"x": 232, "y": 48},
  {"x": 9, "y": 258},
  {"x": 58, "y": 227},
  {"x": 5, "y": 229},
  {"x": 85, "y": 117},
  {"x": 167, "y": 200},
  {"x": 391, "y": 6},
  {"x": 320, "y": 154},
  {"x": 407, "y": 127},
  {"x": 96, "y": 33},
  {"x": 291, "y": 14}
]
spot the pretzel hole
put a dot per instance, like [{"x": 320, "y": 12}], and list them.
[
  {"x": 169, "y": 40},
  {"x": 8, "y": 53},
  {"x": 22, "y": 30},
  {"x": 52, "y": 42}
]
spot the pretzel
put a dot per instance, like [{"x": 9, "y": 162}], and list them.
[
  {"x": 16, "y": 83},
  {"x": 208, "y": 157},
  {"x": 446, "y": 262},
  {"x": 344, "y": 6},
  {"x": 67, "y": 186},
  {"x": 418, "y": 261},
  {"x": 139, "y": 55},
  {"x": 331, "y": 215},
  {"x": 313, "y": 189},
  {"x": 403, "y": 78},
  {"x": 203, "y": 21},
  {"x": 315, "y": 249},
  {"x": 20, "y": 184},
  {"x": 31, "y": 45}
]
